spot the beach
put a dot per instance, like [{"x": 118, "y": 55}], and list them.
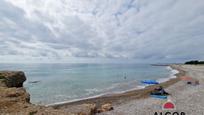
[{"x": 187, "y": 98}]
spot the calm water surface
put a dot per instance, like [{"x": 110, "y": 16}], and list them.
[{"x": 52, "y": 83}]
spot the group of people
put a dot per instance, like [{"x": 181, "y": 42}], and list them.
[{"x": 159, "y": 91}]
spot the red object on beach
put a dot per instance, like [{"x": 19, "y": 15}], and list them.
[
  {"x": 186, "y": 78},
  {"x": 169, "y": 105}
]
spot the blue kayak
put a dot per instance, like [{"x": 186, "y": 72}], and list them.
[
  {"x": 159, "y": 96},
  {"x": 149, "y": 82}
]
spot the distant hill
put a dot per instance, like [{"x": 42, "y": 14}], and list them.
[{"x": 194, "y": 62}]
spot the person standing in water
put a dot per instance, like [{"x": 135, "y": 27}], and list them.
[{"x": 125, "y": 76}]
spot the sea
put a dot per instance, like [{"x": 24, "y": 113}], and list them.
[{"x": 56, "y": 83}]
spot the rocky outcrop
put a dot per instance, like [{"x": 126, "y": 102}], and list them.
[
  {"x": 12, "y": 78},
  {"x": 14, "y": 100}
]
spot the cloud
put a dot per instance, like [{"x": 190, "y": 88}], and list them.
[{"x": 142, "y": 30}]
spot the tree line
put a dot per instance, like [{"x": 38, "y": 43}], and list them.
[{"x": 194, "y": 62}]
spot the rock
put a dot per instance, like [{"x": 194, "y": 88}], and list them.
[
  {"x": 12, "y": 78},
  {"x": 33, "y": 81},
  {"x": 14, "y": 100},
  {"x": 105, "y": 107},
  {"x": 11, "y": 89},
  {"x": 14, "y": 95},
  {"x": 33, "y": 112},
  {"x": 3, "y": 83},
  {"x": 90, "y": 109},
  {"x": 83, "y": 109}
]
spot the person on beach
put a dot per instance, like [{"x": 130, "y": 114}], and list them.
[{"x": 159, "y": 91}]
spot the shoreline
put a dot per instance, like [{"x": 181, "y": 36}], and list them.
[
  {"x": 121, "y": 97},
  {"x": 188, "y": 98}
]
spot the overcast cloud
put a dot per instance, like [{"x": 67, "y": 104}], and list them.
[{"x": 66, "y": 30}]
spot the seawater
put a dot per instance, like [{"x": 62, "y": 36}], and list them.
[{"x": 54, "y": 83}]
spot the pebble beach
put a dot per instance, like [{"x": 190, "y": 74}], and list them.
[{"x": 187, "y": 98}]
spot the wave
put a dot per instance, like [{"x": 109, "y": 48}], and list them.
[
  {"x": 74, "y": 100},
  {"x": 172, "y": 75},
  {"x": 96, "y": 96}
]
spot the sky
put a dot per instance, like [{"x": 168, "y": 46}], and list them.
[{"x": 101, "y": 30}]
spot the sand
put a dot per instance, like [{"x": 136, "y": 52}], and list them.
[{"x": 187, "y": 98}]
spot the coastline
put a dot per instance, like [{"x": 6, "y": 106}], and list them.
[
  {"x": 122, "y": 97},
  {"x": 187, "y": 98}
]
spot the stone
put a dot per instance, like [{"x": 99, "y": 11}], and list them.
[
  {"x": 83, "y": 109},
  {"x": 3, "y": 83},
  {"x": 105, "y": 107},
  {"x": 12, "y": 78}
]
